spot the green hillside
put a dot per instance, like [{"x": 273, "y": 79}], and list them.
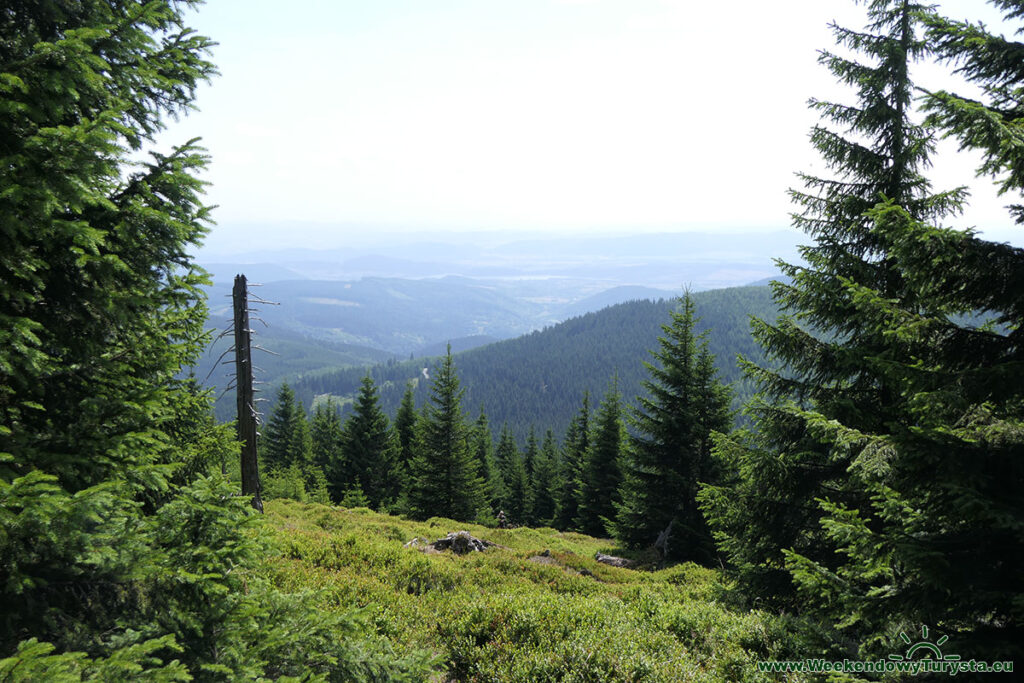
[
  {"x": 514, "y": 613},
  {"x": 539, "y": 379}
]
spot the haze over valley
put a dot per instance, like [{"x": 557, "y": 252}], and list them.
[{"x": 395, "y": 299}]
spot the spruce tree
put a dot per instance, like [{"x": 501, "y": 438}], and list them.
[
  {"x": 483, "y": 451},
  {"x": 101, "y": 308},
  {"x": 828, "y": 360},
  {"x": 942, "y": 538},
  {"x": 574, "y": 449},
  {"x": 530, "y": 455},
  {"x": 671, "y": 451},
  {"x": 516, "y": 503},
  {"x": 368, "y": 448},
  {"x": 100, "y": 305},
  {"x": 989, "y": 125},
  {"x": 300, "y": 445},
  {"x": 544, "y": 482},
  {"x": 530, "y": 452},
  {"x": 444, "y": 478},
  {"x": 326, "y": 435},
  {"x": 601, "y": 472},
  {"x": 281, "y": 436},
  {"x": 126, "y": 554},
  {"x": 405, "y": 426}
]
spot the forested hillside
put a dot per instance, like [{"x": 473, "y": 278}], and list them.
[
  {"x": 313, "y": 327},
  {"x": 539, "y": 379}
]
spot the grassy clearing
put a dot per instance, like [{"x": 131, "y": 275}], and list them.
[{"x": 512, "y": 614}]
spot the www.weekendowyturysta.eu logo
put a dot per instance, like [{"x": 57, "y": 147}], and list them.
[{"x": 921, "y": 656}]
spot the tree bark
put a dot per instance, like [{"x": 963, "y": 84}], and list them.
[{"x": 244, "y": 391}]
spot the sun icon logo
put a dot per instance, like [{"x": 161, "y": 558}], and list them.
[{"x": 929, "y": 649}]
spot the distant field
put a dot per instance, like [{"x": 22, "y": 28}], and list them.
[{"x": 513, "y": 614}]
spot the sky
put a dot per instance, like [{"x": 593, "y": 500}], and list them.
[{"x": 336, "y": 120}]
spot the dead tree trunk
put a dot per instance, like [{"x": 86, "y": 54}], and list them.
[{"x": 244, "y": 390}]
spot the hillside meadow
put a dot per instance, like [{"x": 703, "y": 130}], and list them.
[{"x": 516, "y": 613}]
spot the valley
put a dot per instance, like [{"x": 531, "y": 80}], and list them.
[{"x": 517, "y": 361}]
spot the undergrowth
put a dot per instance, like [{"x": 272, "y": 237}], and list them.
[{"x": 515, "y": 613}]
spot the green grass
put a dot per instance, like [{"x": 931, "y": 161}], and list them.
[{"x": 510, "y": 615}]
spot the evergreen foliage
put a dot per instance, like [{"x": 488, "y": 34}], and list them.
[
  {"x": 99, "y": 308},
  {"x": 544, "y": 482},
  {"x": 483, "y": 450},
  {"x": 516, "y": 504},
  {"x": 405, "y": 425},
  {"x": 126, "y": 555},
  {"x": 99, "y": 304},
  {"x": 882, "y": 491},
  {"x": 283, "y": 439},
  {"x": 989, "y": 125},
  {"x": 570, "y": 467},
  {"x": 537, "y": 379},
  {"x": 444, "y": 478},
  {"x": 825, "y": 351},
  {"x": 354, "y": 498},
  {"x": 941, "y": 540},
  {"x": 327, "y": 442},
  {"x": 297, "y": 482},
  {"x": 671, "y": 450},
  {"x": 601, "y": 471},
  {"x": 288, "y": 482},
  {"x": 369, "y": 450},
  {"x": 290, "y": 455},
  {"x": 530, "y": 452},
  {"x": 300, "y": 446}
]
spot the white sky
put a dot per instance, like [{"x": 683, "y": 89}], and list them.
[{"x": 563, "y": 115}]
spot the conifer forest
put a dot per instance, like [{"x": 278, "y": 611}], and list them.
[{"x": 739, "y": 484}]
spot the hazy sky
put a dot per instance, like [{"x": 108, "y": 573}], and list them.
[{"x": 567, "y": 115}]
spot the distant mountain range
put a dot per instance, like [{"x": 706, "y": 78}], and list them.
[
  {"x": 698, "y": 260},
  {"x": 539, "y": 379},
  {"x": 388, "y": 300},
  {"x": 401, "y": 316},
  {"x": 318, "y": 326}
]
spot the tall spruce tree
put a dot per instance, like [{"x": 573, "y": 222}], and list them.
[
  {"x": 326, "y": 434},
  {"x": 405, "y": 426},
  {"x": 444, "y": 478},
  {"x": 828, "y": 359},
  {"x": 125, "y": 554},
  {"x": 544, "y": 482},
  {"x": 300, "y": 445},
  {"x": 483, "y": 451},
  {"x": 369, "y": 449},
  {"x": 570, "y": 469},
  {"x": 516, "y": 504},
  {"x": 530, "y": 455},
  {"x": 282, "y": 435},
  {"x": 530, "y": 452},
  {"x": 601, "y": 472},
  {"x": 100, "y": 309},
  {"x": 671, "y": 451},
  {"x": 942, "y": 539}
]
